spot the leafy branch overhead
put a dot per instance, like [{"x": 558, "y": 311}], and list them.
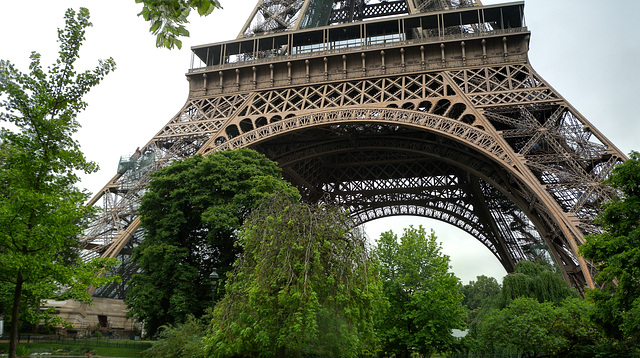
[{"x": 169, "y": 17}]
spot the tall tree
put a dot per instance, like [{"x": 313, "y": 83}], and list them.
[
  {"x": 305, "y": 285},
  {"x": 191, "y": 213},
  {"x": 41, "y": 210},
  {"x": 535, "y": 313},
  {"x": 425, "y": 302},
  {"x": 537, "y": 329},
  {"x": 616, "y": 252},
  {"x": 480, "y": 293},
  {"x": 538, "y": 280},
  {"x": 168, "y": 18}
]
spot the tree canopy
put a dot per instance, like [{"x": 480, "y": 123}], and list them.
[
  {"x": 305, "y": 285},
  {"x": 616, "y": 252},
  {"x": 168, "y": 18},
  {"x": 191, "y": 213},
  {"x": 480, "y": 293},
  {"x": 535, "y": 313},
  {"x": 538, "y": 280},
  {"x": 425, "y": 302},
  {"x": 42, "y": 213},
  {"x": 537, "y": 329}
]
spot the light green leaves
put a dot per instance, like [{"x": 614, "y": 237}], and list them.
[
  {"x": 424, "y": 299},
  {"x": 305, "y": 285},
  {"x": 169, "y": 17},
  {"x": 42, "y": 213}
]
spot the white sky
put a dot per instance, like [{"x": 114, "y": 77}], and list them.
[{"x": 584, "y": 49}]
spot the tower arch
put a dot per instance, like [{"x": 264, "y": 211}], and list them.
[
  {"x": 382, "y": 162},
  {"x": 438, "y": 114}
]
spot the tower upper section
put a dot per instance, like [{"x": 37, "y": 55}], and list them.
[
  {"x": 437, "y": 26},
  {"x": 272, "y": 16}
]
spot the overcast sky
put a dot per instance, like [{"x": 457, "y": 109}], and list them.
[{"x": 587, "y": 51}]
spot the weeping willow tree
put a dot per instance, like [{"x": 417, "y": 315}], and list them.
[
  {"x": 304, "y": 285},
  {"x": 537, "y": 314},
  {"x": 537, "y": 280}
]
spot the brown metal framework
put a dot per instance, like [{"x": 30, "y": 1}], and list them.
[{"x": 437, "y": 114}]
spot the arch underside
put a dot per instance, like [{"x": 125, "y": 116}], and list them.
[{"x": 376, "y": 171}]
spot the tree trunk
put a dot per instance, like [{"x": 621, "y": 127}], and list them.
[{"x": 15, "y": 315}]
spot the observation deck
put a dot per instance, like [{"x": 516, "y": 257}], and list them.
[{"x": 433, "y": 40}]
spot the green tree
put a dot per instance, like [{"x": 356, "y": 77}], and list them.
[
  {"x": 538, "y": 280},
  {"x": 305, "y": 285},
  {"x": 425, "y": 302},
  {"x": 480, "y": 293},
  {"x": 191, "y": 213},
  {"x": 480, "y": 296},
  {"x": 41, "y": 211},
  {"x": 616, "y": 252},
  {"x": 184, "y": 340},
  {"x": 524, "y": 326},
  {"x": 536, "y": 312},
  {"x": 168, "y": 18}
]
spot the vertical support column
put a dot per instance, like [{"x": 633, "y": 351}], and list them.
[
  {"x": 504, "y": 47},
  {"x": 344, "y": 65},
  {"x": 484, "y": 51},
  {"x": 464, "y": 54},
  {"x": 255, "y": 77},
  {"x": 326, "y": 68},
  {"x": 204, "y": 81},
  {"x": 271, "y": 75}
]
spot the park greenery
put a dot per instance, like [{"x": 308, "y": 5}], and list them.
[
  {"x": 191, "y": 214},
  {"x": 616, "y": 251},
  {"x": 424, "y": 297},
  {"x": 42, "y": 212},
  {"x": 305, "y": 285}
]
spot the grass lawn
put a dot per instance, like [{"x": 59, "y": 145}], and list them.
[{"x": 63, "y": 348}]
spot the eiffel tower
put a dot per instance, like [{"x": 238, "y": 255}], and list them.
[{"x": 400, "y": 107}]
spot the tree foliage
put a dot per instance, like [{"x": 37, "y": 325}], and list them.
[
  {"x": 535, "y": 313},
  {"x": 527, "y": 326},
  {"x": 191, "y": 213},
  {"x": 480, "y": 293},
  {"x": 168, "y": 18},
  {"x": 305, "y": 285},
  {"x": 616, "y": 252},
  {"x": 424, "y": 298},
  {"x": 183, "y": 340},
  {"x": 41, "y": 210},
  {"x": 538, "y": 280}
]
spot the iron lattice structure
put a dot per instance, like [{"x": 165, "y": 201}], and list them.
[{"x": 434, "y": 112}]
